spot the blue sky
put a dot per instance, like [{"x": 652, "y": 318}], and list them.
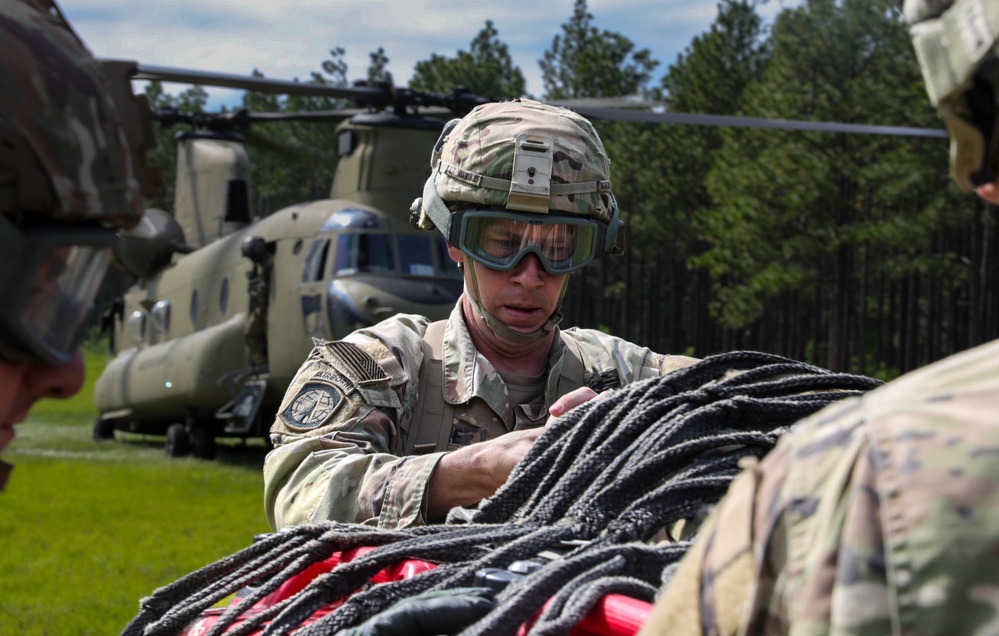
[{"x": 288, "y": 39}]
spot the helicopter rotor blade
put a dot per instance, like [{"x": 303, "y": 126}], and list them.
[
  {"x": 629, "y": 102},
  {"x": 629, "y": 110},
  {"x": 701, "y": 119},
  {"x": 318, "y": 116},
  {"x": 367, "y": 94}
]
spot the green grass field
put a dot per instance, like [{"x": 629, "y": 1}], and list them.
[{"x": 88, "y": 528}]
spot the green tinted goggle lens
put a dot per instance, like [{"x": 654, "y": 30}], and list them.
[
  {"x": 499, "y": 240},
  {"x": 50, "y": 302}
]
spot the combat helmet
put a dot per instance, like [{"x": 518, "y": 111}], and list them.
[
  {"x": 957, "y": 44},
  {"x": 70, "y": 176},
  {"x": 528, "y": 163}
]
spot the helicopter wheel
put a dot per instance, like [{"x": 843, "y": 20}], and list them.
[
  {"x": 103, "y": 429},
  {"x": 178, "y": 443},
  {"x": 204, "y": 442}
]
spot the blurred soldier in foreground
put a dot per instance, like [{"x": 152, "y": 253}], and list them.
[
  {"x": 398, "y": 423},
  {"x": 880, "y": 514},
  {"x": 69, "y": 177}
]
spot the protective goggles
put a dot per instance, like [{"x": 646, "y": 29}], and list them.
[
  {"x": 500, "y": 239},
  {"x": 50, "y": 289}
]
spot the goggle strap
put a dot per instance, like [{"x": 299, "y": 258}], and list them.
[{"x": 434, "y": 207}]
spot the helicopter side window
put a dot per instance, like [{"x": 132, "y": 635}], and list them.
[
  {"x": 224, "y": 296},
  {"x": 315, "y": 262},
  {"x": 161, "y": 316},
  {"x": 137, "y": 325},
  {"x": 357, "y": 253}
]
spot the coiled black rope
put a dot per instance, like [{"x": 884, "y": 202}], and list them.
[{"x": 589, "y": 501}]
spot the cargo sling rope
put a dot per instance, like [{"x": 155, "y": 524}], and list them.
[{"x": 590, "y": 500}]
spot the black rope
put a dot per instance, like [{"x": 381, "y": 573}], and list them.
[{"x": 597, "y": 487}]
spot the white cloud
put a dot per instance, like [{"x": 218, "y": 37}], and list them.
[{"x": 289, "y": 39}]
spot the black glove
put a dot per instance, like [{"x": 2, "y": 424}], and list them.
[{"x": 428, "y": 614}]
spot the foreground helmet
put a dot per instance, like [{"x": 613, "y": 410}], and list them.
[
  {"x": 957, "y": 45},
  {"x": 537, "y": 171},
  {"x": 69, "y": 178}
]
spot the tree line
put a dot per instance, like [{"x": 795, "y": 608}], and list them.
[{"x": 852, "y": 252}]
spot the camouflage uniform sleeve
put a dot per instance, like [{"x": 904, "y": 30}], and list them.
[
  {"x": 660, "y": 364},
  {"x": 602, "y": 352},
  {"x": 348, "y": 476},
  {"x": 337, "y": 437}
]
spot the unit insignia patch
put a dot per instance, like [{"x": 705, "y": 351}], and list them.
[{"x": 313, "y": 405}]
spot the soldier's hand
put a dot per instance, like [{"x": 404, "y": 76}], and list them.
[
  {"x": 465, "y": 476},
  {"x": 569, "y": 401}
]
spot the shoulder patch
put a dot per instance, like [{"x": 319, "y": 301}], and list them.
[
  {"x": 355, "y": 363},
  {"x": 315, "y": 404}
]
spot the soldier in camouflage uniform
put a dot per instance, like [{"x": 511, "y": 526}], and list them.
[
  {"x": 879, "y": 514},
  {"x": 261, "y": 254},
  {"x": 69, "y": 176},
  {"x": 396, "y": 424}
]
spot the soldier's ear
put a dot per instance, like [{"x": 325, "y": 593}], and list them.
[{"x": 456, "y": 255}]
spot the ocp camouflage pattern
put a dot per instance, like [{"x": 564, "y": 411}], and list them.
[
  {"x": 878, "y": 515},
  {"x": 54, "y": 95},
  {"x": 919, "y": 10},
  {"x": 340, "y": 432},
  {"x": 483, "y": 142}
]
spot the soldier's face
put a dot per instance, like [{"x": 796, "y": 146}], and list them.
[
  {"x": 24, "y": 383},
  {"x": 523, "y": 298}
]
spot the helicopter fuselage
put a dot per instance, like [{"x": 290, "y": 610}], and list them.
[{"x": 182, "y": 348}]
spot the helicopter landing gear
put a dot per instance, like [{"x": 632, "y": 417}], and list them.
[
  {"x": 191, "y": 438},
  {"x": 203, "y": 439},
  {"x": 178, "y": 443},
  {"x": 103, "y": 429}
]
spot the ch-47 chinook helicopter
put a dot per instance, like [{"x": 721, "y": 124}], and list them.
[{"x": 225, "y": 309}]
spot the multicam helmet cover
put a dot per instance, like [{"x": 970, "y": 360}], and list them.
[
  {"x": 72, "y": 172},
  {"x": 957, "y": 43},
  {"x": 66, "y": 154}
]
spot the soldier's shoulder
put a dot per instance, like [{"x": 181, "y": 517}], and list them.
[
  {"x": 600, "y": 349},
  {"x": 943, "y": 409},
  {"x": 395, "y": 344},
  {"x": 596, "y": 339}
]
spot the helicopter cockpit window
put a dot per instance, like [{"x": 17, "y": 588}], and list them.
[
  {"x": 363, "y": 253},
  {"x": 448, "y": 268},
  {"x": 416, "y": 256},
  {"x": 352, "y": 219},
  {"x": 315, "y": 262}
]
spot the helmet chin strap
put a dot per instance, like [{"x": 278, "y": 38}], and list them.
[{"x": 500, "y": 329}]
